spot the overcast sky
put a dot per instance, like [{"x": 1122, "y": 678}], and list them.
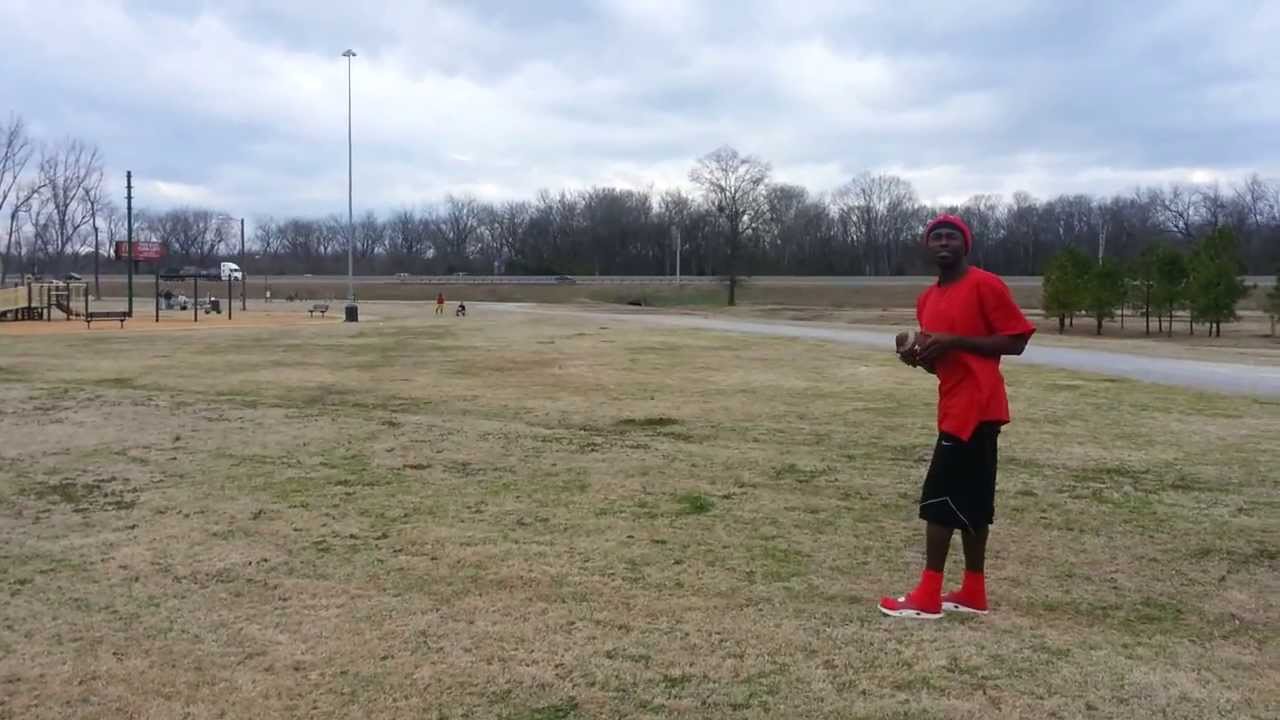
[{"x": 243, "y": 108}]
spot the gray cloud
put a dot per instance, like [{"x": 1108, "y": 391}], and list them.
[{"x": 242, "y": 104}]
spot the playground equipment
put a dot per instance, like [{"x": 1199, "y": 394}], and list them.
[
  {"x": 37, "y": 300},
  {"x": 230, "y": 272}
]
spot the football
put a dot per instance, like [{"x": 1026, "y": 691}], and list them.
[{"x": 908, "y": 343}]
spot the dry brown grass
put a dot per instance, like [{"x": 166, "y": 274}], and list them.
[
  {"x": 665, "y": 295},
  {"x": 761, "y": 291},
  {"x": 539, "y": 517}
]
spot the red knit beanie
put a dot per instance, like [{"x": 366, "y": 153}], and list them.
[{"x": 954, "y": 221}]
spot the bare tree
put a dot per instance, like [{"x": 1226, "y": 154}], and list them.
[
  {"x": 98, "y": 205},
  {"x": 15, "y": 152},
  {"x": 266, "y": 237},
  {"x": 1176, "y": 209},
  {"x": 114, "y": 220},
  {"x": 408, "y": 240},
  {"x": 1257, "y": 206},
  {"x": 195, "y": 235},
  {"x": 371, "y": 235},
  {"x": 331, "y": 242},
  {"x": 1023, "y": 228},
  {"x": 14, "y": 156},
  {"x": 509, "y": 224},
  {"x": 674, "y": 209},
  {"x": 1258, "y": 198},
  {"x": 60, "y": 211},
  {"x": 733, "y": 186},
  {"x": 880, "y": 215},
  {"x": 1211, "y": 206},
  {"x": 23, "y": 199},
  {"x": 785, "y": 204},
  {"x": 457, "y": 226},
  {"x": 563, "y": 249},
  {"x": 987, "y": 216}
]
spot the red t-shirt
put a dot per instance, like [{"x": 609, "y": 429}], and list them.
[{"x": 970, "y": 387}]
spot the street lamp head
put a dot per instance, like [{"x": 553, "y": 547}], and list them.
[{"x": 349, "y": 54}]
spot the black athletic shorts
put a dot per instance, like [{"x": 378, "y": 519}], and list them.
[{"x": 960, "y": 489}]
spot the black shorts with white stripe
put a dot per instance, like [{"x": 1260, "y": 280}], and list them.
[{"x": 960, "y": 489}]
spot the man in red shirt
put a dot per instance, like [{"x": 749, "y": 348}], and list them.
[{"x": 968, "y": 320}]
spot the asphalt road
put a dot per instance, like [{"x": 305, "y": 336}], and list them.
[{"x": 1257, "y": 381}]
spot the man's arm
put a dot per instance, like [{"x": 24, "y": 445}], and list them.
[
  {"x": 1010, "y": 329},
  {"x": 992, "y": 345}
]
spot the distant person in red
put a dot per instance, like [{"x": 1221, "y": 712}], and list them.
[
  {"x": 440, "y": 304},
  {"x": 968, "y": 320}
]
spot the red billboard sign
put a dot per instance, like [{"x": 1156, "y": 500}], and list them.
[{"x": 144, "y": 251}]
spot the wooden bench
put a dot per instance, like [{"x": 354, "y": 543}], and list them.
[
  {"x": 120, "y": 315},
  {"x": 321, "y": 308}
]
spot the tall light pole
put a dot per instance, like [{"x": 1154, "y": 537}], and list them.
[
  {"x": 677, "y": 254},
  {"x": 353, "y": 312}
]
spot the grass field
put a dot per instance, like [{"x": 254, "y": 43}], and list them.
[
  {"x": 762, "y": 291},
  {"x": 538, "y": 517},
  {"x": 872, "y": 304},
  {"x": 665, "y": 295}
]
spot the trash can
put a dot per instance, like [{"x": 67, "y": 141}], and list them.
[
  {"x": 215, "y": 305},
  {"x": 353, "y": 312}
]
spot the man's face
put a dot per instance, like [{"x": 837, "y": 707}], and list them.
[{"x": 946, "y": 244}]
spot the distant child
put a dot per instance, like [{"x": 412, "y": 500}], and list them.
[
  {"x": 461, "y": 311},
  {"x": 440, "y": 304}
]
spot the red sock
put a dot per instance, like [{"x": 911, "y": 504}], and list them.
[
  {"x": 974, "y": 588},
  {"x": 929, "y": 591}
]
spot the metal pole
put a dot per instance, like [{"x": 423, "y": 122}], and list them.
[
  {"x": 229, "y": 303},
  {"x": 351, "y": 235},
  {"x": 195, "y": 299},
  {"x": 157, "y": 267},
  {"x": 677, "y": 256},
  {"x": 128, "y": 202},
  {"x": 243, "y": 279},
  {"x": 351, "y": 295}
]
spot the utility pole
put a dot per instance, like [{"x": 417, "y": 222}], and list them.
[
  {"x": 243, "y": 277},
  {"x": 128, "y": 204},
  {"x": 97, "y": 255}
]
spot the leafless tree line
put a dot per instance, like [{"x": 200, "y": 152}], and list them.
[
  {"x": 733, "y": 221},
  {"x": 52, "y": 202},
  {"x": 737, "y": 221}
]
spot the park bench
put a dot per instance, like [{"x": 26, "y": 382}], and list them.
[
  {"x": 120, "y": 315},
  {"x": 321, "y": 308}
]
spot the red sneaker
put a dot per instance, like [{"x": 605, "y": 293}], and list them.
[
  {"x": 908, "y": 607},
  {"x": 957, "y": 601}
]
